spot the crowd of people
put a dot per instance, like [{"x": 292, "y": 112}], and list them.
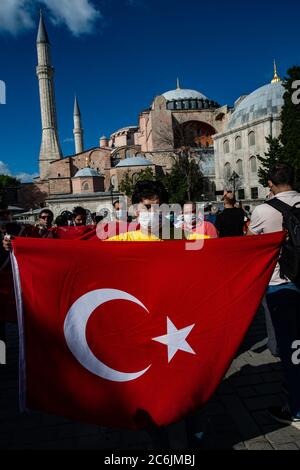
[{"x": 152, "y": 219}]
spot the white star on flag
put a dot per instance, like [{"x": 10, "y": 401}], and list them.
[{"x": 175, "y": 339}]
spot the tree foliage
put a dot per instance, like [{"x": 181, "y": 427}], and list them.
[
  {"x": 286, "y": 148},
  {"x": 129, "y": 180}
]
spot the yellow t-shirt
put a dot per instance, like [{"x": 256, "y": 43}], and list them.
[
  {"x": 134, "y": 236},
  {"x": 197, "y": 236}
]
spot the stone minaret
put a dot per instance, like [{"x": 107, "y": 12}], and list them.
[
  {"x": 78, "y": 131},
  {"x": 50, "y": 148}
]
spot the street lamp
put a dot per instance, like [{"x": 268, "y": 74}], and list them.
[
  {"x": 233, "y": 179},
  {"x": 111, "y": 189}
]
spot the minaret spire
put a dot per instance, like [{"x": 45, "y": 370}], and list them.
[
  {"x": 276, "y": 78},
  {"x": 50, "y": 147},
  {"x": 42, "y": 36},
  {"x": 177, "y": 84},
  {"x": 78, "y": 131}
]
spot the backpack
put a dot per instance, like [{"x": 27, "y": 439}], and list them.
[{"x": 289, "y": 259}]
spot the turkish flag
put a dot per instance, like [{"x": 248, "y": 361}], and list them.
[
  {"x": 133, "y": 334},
  {"x": 72, "y": 232}
]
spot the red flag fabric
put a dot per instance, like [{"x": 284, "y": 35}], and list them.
[
  {"x": 73, "y": 233},
  {"x": 107, "y": 230},
  {"x": 133, "y": 334}
]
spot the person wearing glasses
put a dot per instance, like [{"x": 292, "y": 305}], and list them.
[{"x": 42, "y": 229}]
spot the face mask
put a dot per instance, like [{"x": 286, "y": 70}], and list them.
[
  {"x": 150, "y": 221},
  {"x": 190, "y": 219},
  {"x": 120, "y": 214}
]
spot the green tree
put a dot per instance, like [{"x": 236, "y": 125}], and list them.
[
  {"x": 285, "y": 148},
  {"x": 129, "y": 180},
  {"x": 290, "y": 118},
  {"x": 185, "y": 180},
  {"x": 273, "y": 156},
  {"x": 7, "y": 183}
]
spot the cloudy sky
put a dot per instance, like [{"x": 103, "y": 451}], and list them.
[{"x": 118, "y": 54}]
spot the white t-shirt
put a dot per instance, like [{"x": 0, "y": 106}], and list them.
[{"x": 266, "y": 219}]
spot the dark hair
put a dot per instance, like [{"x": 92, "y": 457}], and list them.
[
  {"x": 281, "y": 173},
  {"x": 46, "y": 211},
  {"x": 147, "y": 189},
  {"x": 61, "y": 221},
  {"x": 79, "y": 211},
  {"x": 116, "y": 202},
  {"x": 229, "y": 200}
]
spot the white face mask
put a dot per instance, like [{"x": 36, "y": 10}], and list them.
[
  {"x": 150, "y": 221},
  {"x": 189, "y": 219},
  {"x": 120, "y": 214}
]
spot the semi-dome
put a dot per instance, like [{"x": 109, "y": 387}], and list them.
[
  {"x": 263, "y": 102},
  {"x": 85, "y": 172},
  {"x": 134, "y": 161}
]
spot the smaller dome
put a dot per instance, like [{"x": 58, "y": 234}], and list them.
[
  {"x": 134, "y": 161},
  {"x": 87, "y": 171}
]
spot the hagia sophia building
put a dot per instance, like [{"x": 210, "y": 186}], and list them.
[{"x": 225, "y": 140}]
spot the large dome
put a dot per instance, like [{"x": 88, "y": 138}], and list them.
[
  {"x": 263, "y": 102},
  {"x": 183, "y": 94}
]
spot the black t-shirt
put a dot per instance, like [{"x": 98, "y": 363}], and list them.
[{"x": 230, "y": 222}]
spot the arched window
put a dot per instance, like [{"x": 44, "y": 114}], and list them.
[
  {"x": 238, "y": 142},
  {"x": 226, "y": 146},
  {"x": 227, "y": 170},
  {"x": 239, "y": 167},
  {"x": 127, "y": 154},
  {"x": 251, "y": 138},
  {"x": 253, "y": 165},
  {"x": 85, "y": 186}
]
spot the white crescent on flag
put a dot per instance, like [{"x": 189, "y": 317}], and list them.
[{"x": 75, "y": 333}]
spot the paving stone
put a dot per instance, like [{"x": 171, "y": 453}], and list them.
[
  {"x": 273, "y": 376},
  {"x": 240, "y": 446},
  {"x": 243, "y": 420},
  {"x": 227, "y": 440},
  {"x": 283, "y": 435},
  {"x": 288, "y": 446},
  {"x": 258, "y": 444},
  {"x": 262, "y": 402},
  {"x": 245, "y": 392},
  {"x": 268, "y": 388},
  {"x": 241, "y": 380},
  {"x": 263, "y": 417},
  {"x": 235, "y": 417}
]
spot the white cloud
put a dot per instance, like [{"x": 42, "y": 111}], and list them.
[
  {"x": 4, "y": 170},
  {"x": 16, "y": 15},
  {"x": 26, "y": 177},
  {"x": 79, "y": 16},
  {"x": 68, "y": 140},
  {"x": 22, "y": 176}
]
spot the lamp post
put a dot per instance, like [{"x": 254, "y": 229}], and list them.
[
  {"x": 111, "y": 189},
  {"x": 233, "y": 179}
]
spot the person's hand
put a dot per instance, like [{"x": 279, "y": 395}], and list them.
[{"x": 7, "y": 242}]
